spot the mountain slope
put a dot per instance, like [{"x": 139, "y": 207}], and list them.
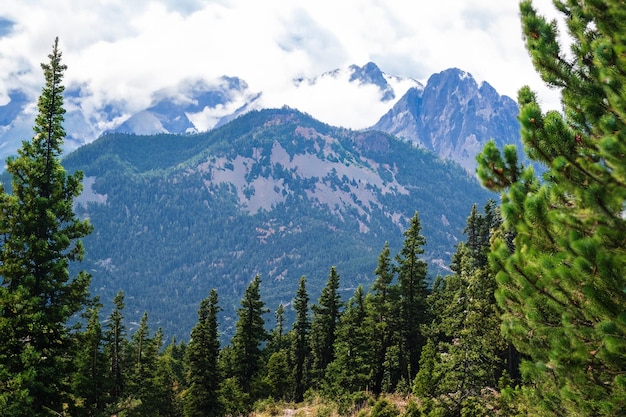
[
  {"x": 454, "y": 117},
  {"x": 274, "y": 193}
]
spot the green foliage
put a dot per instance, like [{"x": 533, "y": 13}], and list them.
[
  {"x": 279, "y": 378},
  {"x": 425, "y": 384},
  {"x": 249, "y": 336},
  {"x": 115, "y": 336},
  {"x": 300, "y": 348},
  {"x": 146, "y": 212},
  {"x": 234, "y": 400},
  {"x": 201, "y": 363},
  {"x": 413, "y": 292},
  {"x": 384, "y": 408},
  {"x": 561, "y": 278},
  {"x": 89, "y": 379},
  {"x": 350, "y": 371},
  {"x": 326, "y": 314},
  {"x": 41, "y": 236}
]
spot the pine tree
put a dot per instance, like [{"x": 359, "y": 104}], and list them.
[
  {"x": 40, "y": 237},
  {"x": 301, "y": 352},
  {"x": 561, "y": 279},
  {"x": 351, "y": 370},
  {"x": 277, "y": 338},
  {"x": 202, "y": 373},
  {"x": 413, "y": 292},
  {"x": 249, "y": 335},
  {"x": 115, "y": 336},
  {"x": 90, "y": 368},
  {"x": 323, "y": 325},
  {"x": 466, "y": 319},
  {"x": 380, "y": 303}
]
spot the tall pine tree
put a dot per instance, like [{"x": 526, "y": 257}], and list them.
[
  {"x": 324, "y": 324},
  {"x": 300, "y": 350},
  {"x": 561, "y": 282},
  {"x": 413, "y": 292},
  {"x": 40, "y": 237},
  {"x": 115, "y": 336},
  {"x": 380, "y": 302},
  {"x": 201, "y": 363},
  {"x": 249, "y": 336}
]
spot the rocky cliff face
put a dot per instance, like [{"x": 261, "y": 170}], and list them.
[{"x": 454, "y": 117}]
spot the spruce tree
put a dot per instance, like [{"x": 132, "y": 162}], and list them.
[
  {"x": 413, "y": 292},
  {"x": 301, "y": 352},
  {"x": 469, "y": 325},
  {"x": 561, "y": 279},
  {"x": 249, "y": 336},
  {"x": 380, "y": 303},
  {"x": 40, "y": 237},
  {"x": 90, "y": 368},
  {"x": 324, "y": 324},
  {"x": 115, "y": 336},
  {"x": 351, "y": 369},
  {"x": 201, "y": 366}
]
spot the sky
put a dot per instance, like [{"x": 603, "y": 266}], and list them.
[{"x": 123, "y": 51}]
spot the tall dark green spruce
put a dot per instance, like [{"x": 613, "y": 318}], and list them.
[
  {"x": 380, "y": 302},
  {"x": 201, "y": 363},
  {"x": 89, "y": 379},
  {"x": 351, "y": 369},
  {"x": 323, "y": 325},
  {"x": 249, "y": 336},
  {"x": 466, "y": 322},
  {"x": 300, "y": 350},
  {"x": 413, "y": 292},
  {"x": 562, "y": 281},
  {"x": 40, "y": 237}
]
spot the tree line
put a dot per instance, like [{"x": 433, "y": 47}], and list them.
[{"x": 530, "y": 321}]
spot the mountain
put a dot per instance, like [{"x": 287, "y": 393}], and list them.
[
  {"x": 367, "y": 75},
  {"x": 454, "y": 117},
  {"x": 198, "y": 105},
  {"x": 275, "y": 193},
  {"x": 190, "y": 107}
]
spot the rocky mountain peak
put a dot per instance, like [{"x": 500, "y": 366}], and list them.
[{"x": 454, "y": 117}]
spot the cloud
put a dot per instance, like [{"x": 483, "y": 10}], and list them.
[{"x": 124, "y": 51}]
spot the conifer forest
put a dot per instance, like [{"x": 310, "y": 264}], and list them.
[{"x": 531, "y": 319}]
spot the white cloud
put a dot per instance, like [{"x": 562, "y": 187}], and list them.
[{"x": 125, "y": 51}]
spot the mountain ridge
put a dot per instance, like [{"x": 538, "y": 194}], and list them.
[
  {"x": 197, "y": 105},
  {"x": 274, "y": 192}
]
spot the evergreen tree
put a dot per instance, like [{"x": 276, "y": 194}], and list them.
[
  {"x": 279, "y": 378},
  {"x": 323, "y": 325},
  {"x": 249, "y": 335},
  {"x": 40, "y": 237},
  {"x": 351, "y": 369},
  {"x": 203, "y": 377},
  {"x": 413, "y": 292},
  {"x": 300, "y": 349},
  {"x": 278, "y": 340},
  {"x": 426, "y": 380},
  {"x": 561, "y": 279},
  {"x": 115, "y": 336},
  {"x": 380, "y": 302},
  {"x": 172, "y": 369},
  {"x": 90, "y": 369},
  {"x": 466, "y": 320}
]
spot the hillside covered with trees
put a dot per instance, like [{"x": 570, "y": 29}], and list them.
[{"x": 530, "y": 321}]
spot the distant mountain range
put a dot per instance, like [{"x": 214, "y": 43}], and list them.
[
  {"x": 275, "y": 193},
  {"x": 205, "y": 189},
  {"x": 451, "y": 115}
]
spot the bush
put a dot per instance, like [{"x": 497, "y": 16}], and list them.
[{"x": 384, "y": 408}]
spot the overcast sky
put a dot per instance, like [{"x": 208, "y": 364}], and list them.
[{"x": 126, "y": 49}]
